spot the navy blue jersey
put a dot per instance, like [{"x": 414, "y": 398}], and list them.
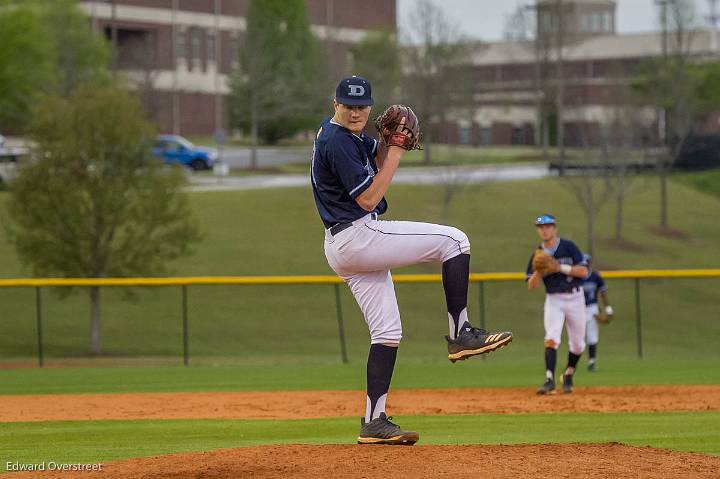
[
  {"x": 593, "y": 285},
  {"x": 343, "y": 166},
  {"x": 566, "y": 252}
]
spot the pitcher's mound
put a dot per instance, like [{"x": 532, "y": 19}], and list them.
[{"x": 307, "y": 461}]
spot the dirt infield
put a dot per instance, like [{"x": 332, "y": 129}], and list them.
[
  {"x": 318, "y": 404},
  {"x": 296, "y": 461},
  {"x": 309, "y": 461}
]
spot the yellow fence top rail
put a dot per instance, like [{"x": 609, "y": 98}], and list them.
[{"x": 327, "y": 279}]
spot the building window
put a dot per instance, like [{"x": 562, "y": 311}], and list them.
[
  {"x": 235, "y": 52},
  {"x": 464, "y": 135},
  {"x": 596, "y": 22},
  {"x": 485, "y": 136},
  {"x": 195, "y": 42},
  {"x": 584, "y": 23},
  {"x": 211, "y": 47},
  {"x": 517, "y": 137},
  {"x": 547, "y": 22},
  {"x": 607, "y": 22},
  {"x": 181, "y": 44}
]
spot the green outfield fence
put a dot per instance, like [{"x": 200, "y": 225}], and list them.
[{"x": 185, "y": 282}]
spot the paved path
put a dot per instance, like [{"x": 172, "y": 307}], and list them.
[
  {"x": 239, "y": 158},
  {"x": 404, "y": 176}
]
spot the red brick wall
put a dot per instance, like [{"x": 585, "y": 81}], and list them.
[
  {"x": 584, "y": 133},
  {"x": 352, "y": 13},
  {"x": 501, "y": 134},
  {"x": 197, "y": 110},
  {"x": 342, "y": 13}
]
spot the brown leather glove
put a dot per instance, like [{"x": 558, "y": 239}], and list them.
[
  {"x": 604, "y": 316},
  {"x": 398, "y": 126},
  {"x": 544, "y": 263}
]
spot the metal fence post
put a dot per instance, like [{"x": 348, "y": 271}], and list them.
[
  {"x": 481, "y": 303},
  {"x": 638, "y": 323},
  {"x": 186, "y": 348},
  {"x": 341, "y": 328},
  {"x": 38, "y": 319}
]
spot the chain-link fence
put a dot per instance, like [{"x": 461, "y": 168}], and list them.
[{"x": 285, "y": 318}]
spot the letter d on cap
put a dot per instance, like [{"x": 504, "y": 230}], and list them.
[{"x": 356, "y": 90}]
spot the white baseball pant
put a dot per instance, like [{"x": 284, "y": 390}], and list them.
[
  {"x": 568, "y": 309},
  {"x": 364, "y": 254},
  {"x": 592, "y": 333}
]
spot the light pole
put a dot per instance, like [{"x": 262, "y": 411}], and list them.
[
  {"x": 560, "y": 84},
  {"x": 176, "y": 67},
  {"x": 662, "y": 121},
  {"x": 713, "y": 18},
  {"x": 662, "y": 117},
  {"x": 113, "y": 33},
  {"x": 541, "y": 131}
]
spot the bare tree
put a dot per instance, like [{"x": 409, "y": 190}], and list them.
[
  {"x": 678, "y": 20},
  {"x": 625, "y": 142},
  {"x": 435, "y": 52},
  {"x": 590, "y": 185},
  {"x": 520, "y": 25},
  {"x": 622, "y": 147},
  {"x": 454, "y": 180}
]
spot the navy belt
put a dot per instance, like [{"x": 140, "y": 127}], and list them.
[
  {"x": 574, "y": 289},
  {"x": 339, "y": 227},
  {"x": 343, "y": 226}
]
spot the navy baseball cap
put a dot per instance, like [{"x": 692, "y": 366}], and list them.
[
  {"x": 353, "y": 91},
  {"x": 544, "y": 220}
]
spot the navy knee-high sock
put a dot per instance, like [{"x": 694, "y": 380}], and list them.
[
  {"x": 455, "y": 277},
  {"x": 592, "y": 351},
  {"x": 550, "y": 360},
  {"x": 573, "y": 360},
  {"x": 380, "y": 365}
]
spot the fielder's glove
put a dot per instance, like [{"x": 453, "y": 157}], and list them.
[
  {"x": 544, "y": 263},
  {"x": 604, "y": 317},
  {"x": 398, "y": 126}
]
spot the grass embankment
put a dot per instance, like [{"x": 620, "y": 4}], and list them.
[
  {"x": 277, "y": 232},
  {"x": 501, "y": 369}
]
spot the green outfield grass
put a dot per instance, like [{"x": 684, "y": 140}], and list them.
[
  {"x": 273, "y": 232},
  {"x": 501, "y": 369},
  {"x": 707, "y": 181},
  {"x": 98, "y": 441}
]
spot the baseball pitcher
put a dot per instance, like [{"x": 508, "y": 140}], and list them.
[{"x": 350, "y": 174}]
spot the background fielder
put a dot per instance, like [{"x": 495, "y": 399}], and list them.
[
  {"x": 559, "y": 264},
  {"x": 350, "y": 174},
  {"x": 594, "y": 287}
]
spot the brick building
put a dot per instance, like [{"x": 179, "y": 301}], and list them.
[
  {"x": 181, "y": 52},
  {"x": 515, "y": 82}
]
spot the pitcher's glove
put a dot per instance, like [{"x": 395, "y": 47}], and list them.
[
  {"x": 544, "y": 263},
  {"x": 398, "y": 126},
  {"x": 604, "y": 317}
]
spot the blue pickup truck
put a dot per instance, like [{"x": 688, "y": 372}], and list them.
[{"x": 177, "y": 150}]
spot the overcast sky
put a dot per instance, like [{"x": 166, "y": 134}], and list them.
[{"x": 485, "y": 19}]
